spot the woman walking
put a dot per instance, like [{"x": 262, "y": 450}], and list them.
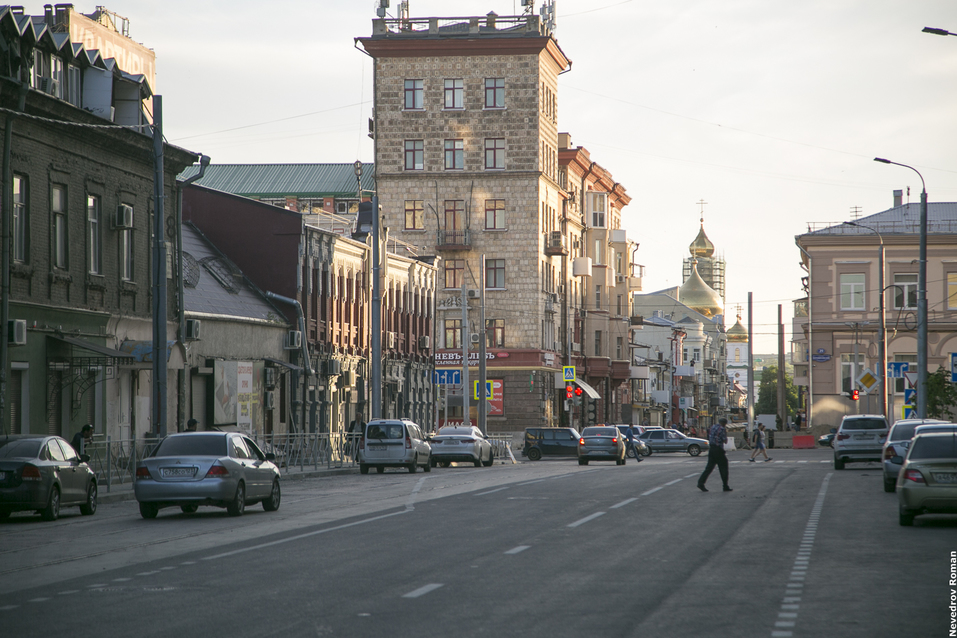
[{"x": 760, "y": 444}]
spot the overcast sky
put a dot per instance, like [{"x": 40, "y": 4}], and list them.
[{"x": 769, "y": 111}]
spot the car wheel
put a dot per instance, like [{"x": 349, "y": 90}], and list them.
[
  {"x": 237, "y": 506},
  {"x": 646, "y": 451},
  {"x": 414, "y": 465},
  {"x": 380, "y": 469},
  {"x": 52, "y": 510},
  {"x": 428, "y": 466},
  {"x": 838, "y": 464},
  {"x": 491, "y": 458},
  {"x": 905, "y": 517},
  {"x": 890, "y": 486},
  {"x": 271, "y": 504},
  {"x": 477, "y": 461},
  {"x": 694, "y": 450},
  {"x": 189, "y": 509},
  {"x": 433, "y": 462},
  {"x": 148, "y": 510},
  {"x": 363, "y": 468},
  {"x": 534, "y": 454},
  {"x": 650, "y": 451},
  {"x": 89, "y": 508},
  {"x": 630, "y": 453}
]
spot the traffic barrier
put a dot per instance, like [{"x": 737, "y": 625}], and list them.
[{"x": 803, "y": 442}]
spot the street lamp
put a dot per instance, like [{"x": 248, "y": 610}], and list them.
[
  {"x": 882, "y": 344},
  {"x": 358, "y": 169},
  {"x": 921, "y": 296},
  {"x": 936, "y": 31}
]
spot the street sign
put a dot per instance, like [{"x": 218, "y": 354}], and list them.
[
  {"x": 568, "y": 373},
  {"x": 908, "y": 413},
  {"x": 911, "y": 378},
  {"x": 447, "y": 377},
  {"x": 867, "y": 380},
  {"x": 488, "y": 389},
  {"x": 896, "y": 369},
  {"x": 910, "y": 398}
]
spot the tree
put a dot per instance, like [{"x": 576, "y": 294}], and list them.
[
  {"x": 941, "y": 395},
  {"x": 768, "y": 394}
]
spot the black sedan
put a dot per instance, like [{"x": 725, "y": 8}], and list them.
[
  {"x": 826, "y": 439},
  {"x": 44, "y": 473}
]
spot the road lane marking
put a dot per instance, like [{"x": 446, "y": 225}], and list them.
[
  {"x": 674, "y": 481},
  {"x": 421, "y": 591},
  {"x": 38, "y": 600},
  {"x": 691, "y": 475},
  {"x": 518, "y": 550},
  {"x": 532, "y": 482},
  {"x": 623, "y": 503},
  {"x": 410, "y": 504},
  {"x": 582, "y": 521},
  {"x": 651, "y": 491},
  {"x": 492, "y": 491}
]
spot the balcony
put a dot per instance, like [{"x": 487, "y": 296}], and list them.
[
  {"x": 454, "y": 240},
  {"x": 555, "y": 244}
]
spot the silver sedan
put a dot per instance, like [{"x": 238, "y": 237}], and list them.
[
  {"x": 221, "y": 469},
  {"x": 465, "y": 444}
]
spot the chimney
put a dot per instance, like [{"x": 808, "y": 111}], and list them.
[
  {"x": 898, "y": 198},
  {"x": 48, "y": 14}
]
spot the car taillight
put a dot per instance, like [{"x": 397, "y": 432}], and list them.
[
  {"x": 30, "y": 473},
  {"x": 841, "y": 437},
  {"x": 408, "y": 442},
  {"x": 914, "y": 475},
  {"x": 217, "y": 471},
  {"x": 615, "y": 441},
  {"x": 142, "y": 473},
  {"x": 581, "y": 441}
]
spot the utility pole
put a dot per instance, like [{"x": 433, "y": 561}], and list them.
[
  {"x": 483, "y": 398},
  {"x": 159, "y": 274},
  {"x": 466, "y": 335},
  {"x": 782, "y": 391}
]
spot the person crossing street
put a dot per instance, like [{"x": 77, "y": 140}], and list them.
[{"x": 717, "y": 437}]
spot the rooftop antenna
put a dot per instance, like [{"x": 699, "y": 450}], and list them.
[
  {"x": 548, "y": 15},
  {"x": 527, "y": 7},
  {"x": 404, "y": 10},
  {"x": 381, "y": 9},
  {"x": 855, "y": 212}
]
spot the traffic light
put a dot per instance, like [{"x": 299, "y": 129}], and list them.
[
  {"x": 591, "y": 412},
  {"x": 855, "y": 395},
  {"x": 569, "y": 391}
]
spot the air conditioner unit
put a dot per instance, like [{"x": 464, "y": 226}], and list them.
[
  {"x": 269, "y": 377},
  {"x": 425, "y": 342},
  {"x": 192, "y": 329},
  {"x": 269, "y": 400},
  {"x": 51, "y": 86},
  {"x": 475, "y": 294},
  {"x": 576, "y": 347},
  {"x": 293, "y": 340},
  {"x": 332, "y": 367},
  {"x": 17, "y": 332},
  {"x": 390, "y": 340},
  {"x": 124, "y": 216},
  {"x": 474, "y": 338},
  {"x": 348, "y": 378},
  {"x": 620, "y": 279}
]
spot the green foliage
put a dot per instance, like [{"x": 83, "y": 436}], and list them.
[
  {"x": 941, "y": 396},
  {"x": 768, "y": 394}
]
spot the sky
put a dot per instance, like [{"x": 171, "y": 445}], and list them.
[{"x": 771, "y": 112}]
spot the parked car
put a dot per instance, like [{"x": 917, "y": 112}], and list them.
[
  {"x": 827, "y": 439},
  {"x": 896, "y": 444},
  {"x": 640, "y": 445},
  {"x": 927, "y": 482},
  {"x": 601, "y": 443},
  {"x": 541, "y": 442},
  {"x": 859, "y": 439},
  {"x": 667, "y": 440},
  {"x": 465, "y": 444},
  {"x": 393, "y": 443},
  {"x": 44, "y": 473},
  {"x": 218, "y": 469}
]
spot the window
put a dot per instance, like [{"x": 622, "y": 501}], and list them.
[
  {"x": 495, "y": 273},
  {"x": 413, "y": 95},
  {"x": 454, "y": 273},
  {"x": 56, "y": 74},
  {"x": 93, "y": 234},
  {"x": 19, "y": 218},
  {"x": 453, "y": 333},
  {"x": 852, "y": 292},
  {"x": 414, "y": 215},
  {"x": 454, "y": 222},
  {"x": 414, "y": 155},
  {"x": 599, "y": 251},
  {"x": 597, "y": 205},
  {"x": 598, "y": 343},
  {"x": 58, "y": 208},
  {"x": 905, "y": 291},
  {"x": 850, "y": 371},
  {"x": 455, "y": 94},
  {"x": 494, "y": 333},
  {"x": 126, "y": 254},
  {"x": 598, "y": 297},
  {"x": 494, "y": 214},
  {"x": 952, "y": 291},
  {"x": 620, "y": 299},
  {"x": 495, "y": 93},
  {"x": 74, "y": 84},
  {"x": 454, "y": 155},
  {"x": 495, "y": 152}
]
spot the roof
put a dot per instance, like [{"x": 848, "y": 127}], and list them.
[
  {"x": 285, "y": 180},
  {"x": 213, "y": 285},
  {"x": 900, "y": 220}
]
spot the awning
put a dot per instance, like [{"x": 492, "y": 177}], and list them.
[
  {"x": 284, "y": 364},
  {"x": 587, "y": 389},
  {"x": 103, "y": 351},
  {"x": 142, "y": 352}
]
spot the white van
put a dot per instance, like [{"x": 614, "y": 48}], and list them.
[{"x": 393, "y": 443}]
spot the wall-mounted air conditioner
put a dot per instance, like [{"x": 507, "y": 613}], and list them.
[
  {"x": 269, "y": 377},
  {"x": 474, "y": 338},
  {"x": 425, "y": 342},
  {"x": 576, "y": 347},
  {"x": 475, "y": 294},
  {"x": 293, "y": 340},
  {"x": 269, "y": 400},
  {"x": 349, "y": 378},
  {"x": 620, "y": 279},
  {"x": 390, "y": 340},
  {"x": 17, "y": 332},
  {"x": 124, "y": 217},
  {"x": 192, "y": 329}
]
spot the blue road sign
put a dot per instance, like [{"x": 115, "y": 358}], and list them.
[
  {"x": 953, "y": 367},
  {"x": 447, "y": 377},
  {"x": 896, "y": 369},
  {"x": 910, "y": 398}
]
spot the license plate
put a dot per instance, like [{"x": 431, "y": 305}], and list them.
[
  {"x": 377, "y": 448},
  {"x": 945, "y": 477},
  {"x": 451, "y": 442},
  {"x": 863, "y": 437},
  {"x": 178, "y": 472}
]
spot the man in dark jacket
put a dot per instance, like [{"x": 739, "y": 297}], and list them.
[
  {"x": 82, "y": 438},
  {"x": 717, "y": 437}
]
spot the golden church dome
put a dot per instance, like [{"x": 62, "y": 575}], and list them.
[
  {"x": 701, "y": 246},
  {"x": 699, "y": 296},
  {"x": 738, "y": 333}
]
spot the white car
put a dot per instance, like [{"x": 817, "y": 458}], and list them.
[{"x": 461, "y": 444}]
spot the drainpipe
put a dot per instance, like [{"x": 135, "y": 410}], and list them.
[
  {"x": 305, "y": 351},
  {"x": 181, "y": 392}
]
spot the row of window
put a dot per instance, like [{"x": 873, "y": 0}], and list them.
[
  {"x": 904, "y": 291},
  {"x": 455, "y": 273},
  {"x": 60, "y": 230},
  {"x": 454, "y": 214},
  {"x": 454, "y": 157},
  {"x": 453, "y": 94},
  {"x": 494, "y": 333}
]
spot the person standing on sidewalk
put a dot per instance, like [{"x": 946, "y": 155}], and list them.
[
  {"x": 717, "y": 437},
  {"x": 760, "y": 443}
]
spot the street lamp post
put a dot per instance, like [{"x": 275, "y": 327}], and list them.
[
  {"x": 921, "y": 296},
  {"x": 882, "y": 343},
  {"x": 937, "y": 31}
]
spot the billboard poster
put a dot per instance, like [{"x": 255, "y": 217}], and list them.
[
  {"x": 244, "y": 397},
  {"x": 496, "y": 405},
  {"x": 225, "y": 393}
]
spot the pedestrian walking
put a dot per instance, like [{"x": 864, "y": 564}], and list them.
[
  {"x": 760, "y": 444},
  {"x": 630, "y": 444},
  {"x": 717, "y": 437}
]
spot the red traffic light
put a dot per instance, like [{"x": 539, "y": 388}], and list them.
[
  {"x": 855, "y": 395},
  {"x": 578, "y": 391},
  {"x": 568, "y": 391}
]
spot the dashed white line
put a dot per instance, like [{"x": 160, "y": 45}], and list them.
[
  {"x": 582, "y": 521},
  {"x": 492, "y": 491},
  {"x": 623, "y": 503},
  {"x": 674, "y": 481},
  {"x": 518, "y": 550},
  {"x": 421, "y": 591},
  {"x": 651, "y": 491}
]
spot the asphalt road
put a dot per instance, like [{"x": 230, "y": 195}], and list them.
[{"x": 536, "y": 549}]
